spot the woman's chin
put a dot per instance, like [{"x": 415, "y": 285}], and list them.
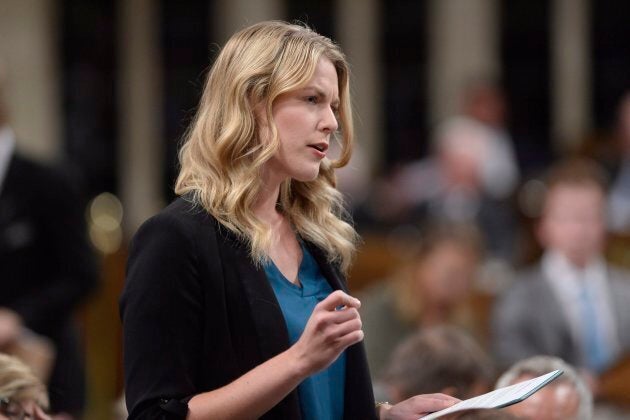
[{"x": 306, "y": 176}]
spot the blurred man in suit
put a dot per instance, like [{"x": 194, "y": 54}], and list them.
[
  {"x": 46, "y": 264},
  {"x": 572, "y": 304}
]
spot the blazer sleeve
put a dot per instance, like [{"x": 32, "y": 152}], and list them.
[{"x": 162, "y": 315}]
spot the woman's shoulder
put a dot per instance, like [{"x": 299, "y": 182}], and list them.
[
  {"x": 181, "y": 220},
  {"x": 185, "y": 213}
]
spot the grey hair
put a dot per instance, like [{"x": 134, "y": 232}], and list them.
[{"x": 539, "y": 365}]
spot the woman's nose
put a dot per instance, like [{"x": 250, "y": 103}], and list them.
[{"x": 329, "y": 122}]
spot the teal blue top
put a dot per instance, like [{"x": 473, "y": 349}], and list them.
[{"x": 321, "y": 395}]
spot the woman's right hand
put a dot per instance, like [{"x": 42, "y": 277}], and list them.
[
  {"x": 416, "y": 407},
  {"x": 334, "y": 325}
]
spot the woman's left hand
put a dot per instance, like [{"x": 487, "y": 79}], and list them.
[{"x": 416, "y": 407}]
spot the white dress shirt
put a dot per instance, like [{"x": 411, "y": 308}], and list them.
[{"x": 566, "y": 282}]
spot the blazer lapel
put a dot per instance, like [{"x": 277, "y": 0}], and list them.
[
  {"x": 269, "y": 323},
  {"x": 334, "y": 278}
]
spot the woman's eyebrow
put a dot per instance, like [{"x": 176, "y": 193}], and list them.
[{"x": 319, "y": 92}]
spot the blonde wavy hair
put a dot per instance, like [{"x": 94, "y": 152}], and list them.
[
  {"x": 19, "y": 383},
  {"x": 223, "y": 155}
]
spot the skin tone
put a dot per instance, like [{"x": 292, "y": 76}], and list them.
[
  {"x": 573, "y": 222},
  {"x": 305, "y": 119},
  {"x": 554, "y": 402}
]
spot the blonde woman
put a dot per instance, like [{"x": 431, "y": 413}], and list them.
[
  {"x": 22, "y": 394},
  {"x": 235, "y": 304}
]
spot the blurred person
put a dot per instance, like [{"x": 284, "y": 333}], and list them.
[
  {"x": 439, "y": 359},
  {"x": 448, "y": 185},
  {"x": 22, "y": 394},
  {"x": 483, "y": 102},
  {"x": 46, "y": 264},
  {"x": 566, "y": 398},
  {"x": 235, "y": 302},
  {"x": 431, "y": 290},
  {"x": 619, "y": 196},
  {"x": 572, "y": 304}
]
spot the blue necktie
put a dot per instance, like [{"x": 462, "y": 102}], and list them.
[{"x": 596, "y": 352}]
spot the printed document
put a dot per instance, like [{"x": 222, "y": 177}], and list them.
[{"x": 501, "y": 397}]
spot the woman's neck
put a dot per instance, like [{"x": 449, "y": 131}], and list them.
[{"x": 265, "y": 208}]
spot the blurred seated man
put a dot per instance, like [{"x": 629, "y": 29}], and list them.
[
  {"x": 448, "y": 185},
  {"x": 437, "y": 360},
  {"x": 483, "y": 102},
  {"x": 566, "y": 398},
  {"x": 46, "y": 264},
  {"x": 432, "y": 289},
  {"x": 572, "y": 304},
  {"x": 22, "y": 394}
]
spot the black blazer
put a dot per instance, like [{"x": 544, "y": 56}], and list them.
[
  {"x": 197, "y": 314},
  {"x": 46, "y": 266}
]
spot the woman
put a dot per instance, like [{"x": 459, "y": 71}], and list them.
[
  {"x": 22, "y": 394},
  {"x": 234, "y": 305}
]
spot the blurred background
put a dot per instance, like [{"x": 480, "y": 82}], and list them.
[{"x": 105, "y": 90}]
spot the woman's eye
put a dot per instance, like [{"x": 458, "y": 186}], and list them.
[{"x": 311, "y": 99}]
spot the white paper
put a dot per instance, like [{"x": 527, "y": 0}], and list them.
[{"x": 501, "y": 397}]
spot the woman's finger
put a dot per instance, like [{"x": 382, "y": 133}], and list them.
[{"x": 338, "y": 299}]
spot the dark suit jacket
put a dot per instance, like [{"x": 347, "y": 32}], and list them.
[
  {"x": 528, "y": 319},
  {"x": 46, "y": 266},
  {"x": 197, "y": 314}
]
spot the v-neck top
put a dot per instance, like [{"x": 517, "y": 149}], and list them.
[{"x": 322, "y": 394}]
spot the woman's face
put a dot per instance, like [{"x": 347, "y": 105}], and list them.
[{"x": 305, "y": 119}]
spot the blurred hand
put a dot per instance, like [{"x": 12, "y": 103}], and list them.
[
  {"x": 10, "y": 326},
  {"x": 334, "y": 325},
  {"x": 418, "y": 406}
]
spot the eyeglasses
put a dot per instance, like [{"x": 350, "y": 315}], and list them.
[{"x": 13, "y": 410}]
